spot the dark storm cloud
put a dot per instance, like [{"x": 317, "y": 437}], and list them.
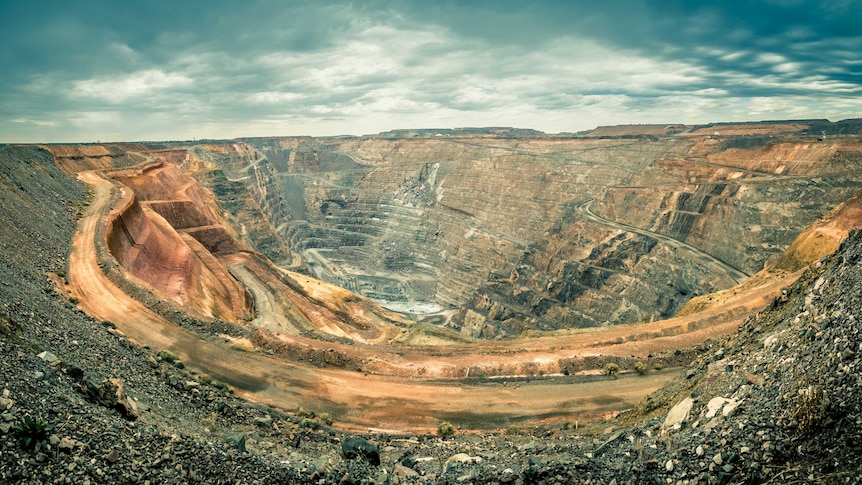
[{"x": 123, "y": 70}]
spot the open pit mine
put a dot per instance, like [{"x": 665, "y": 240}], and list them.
[{"x": 483, "y": 277}]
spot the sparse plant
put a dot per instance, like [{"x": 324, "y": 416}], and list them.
[
  {"x": 108, "y": 324},
  {"x": 307, "y": 423},
  {"x": 612, "y": 369},
  {"x": 167, "y": 356},
  {"x": 512, "y": 431},
  {"x": 326, "y": 418},
  {"x": 170, "y": 358},
  {"x": 222, "y": 386},
  {"x": 811, "y": 407},
  {"x": 531, "y": 474},
  {"x": 445, "y": 429},
  {"x": 32, "y": 432},
  {"x": 641, "y": 368},
  {"x": 211, "y": 422}
]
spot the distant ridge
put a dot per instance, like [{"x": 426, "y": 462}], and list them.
[{"x": 497, "y": 131}]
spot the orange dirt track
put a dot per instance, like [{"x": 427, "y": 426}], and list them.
[{"x": 388, "y": 393}]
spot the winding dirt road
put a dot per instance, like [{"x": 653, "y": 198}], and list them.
[
  {"x": 392, "y": 397},
  {"x": 735, "y": 274}
]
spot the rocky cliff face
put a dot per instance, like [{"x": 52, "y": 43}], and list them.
[
  {"x": 253, "y": 200},
  {"x": 167, "y": 235},
  {"x": 541, "y": 232}
]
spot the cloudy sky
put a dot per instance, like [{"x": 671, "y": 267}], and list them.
[{"x": 90, "y": 70}]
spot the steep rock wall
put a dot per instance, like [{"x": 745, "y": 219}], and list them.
[
  {"x": 147, "y": 245},
  {"x": 229, "y": 172},
  {"x": 493, "y": 226}
]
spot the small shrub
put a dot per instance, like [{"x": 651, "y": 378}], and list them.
[
  {"x": 612, "y": 369},
  {"x": 73, "y": 300},
  {"x": 167, "y": 356},
  {"x": 512, "y": 431},
  {"x": 179, "y": 364},
  {"x": 222, "y": 387},
  {"x": 307, "y": 423},
  {"x": 326, "y": 418},
  {"x": 641, "y": 368},
  {"x": 445, "y": 429},
  {"x": 211, "y": 422},
  {"x": 108, "y": 324},
  {"x": 32, "y": 432},
  {"x": 812, "y": 404}
]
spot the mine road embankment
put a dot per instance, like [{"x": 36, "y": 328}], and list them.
[{"x": 707, "y": 259}]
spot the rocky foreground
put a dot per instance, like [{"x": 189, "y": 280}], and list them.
[{"x": 776, "y": 402}]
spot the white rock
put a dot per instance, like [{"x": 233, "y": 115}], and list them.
[
  {"x": 730, "y": 407},
  {"x": 669, "y": 465},
  {"x": 47, "y": 356},
  {"x": 717, "y": 459},
  {"x": 699, "y": 450},
  {"x": 677, "y": 414},
  {"x": 714, "y": 405},
  {"x": 461, "y": 458}
]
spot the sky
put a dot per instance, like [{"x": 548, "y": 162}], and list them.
[{"x": 102, "y": 70}]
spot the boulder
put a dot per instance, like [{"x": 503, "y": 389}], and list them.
[
  {"x": 357, "y": 447},
  {"x": 677, "y": 414},
  {"x": 237, "y": 442},
  {"x": 111, "y": 394}
]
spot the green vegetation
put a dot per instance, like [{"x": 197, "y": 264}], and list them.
[
  {"x": 32, "y": 432},
  {"x": 167, "y": 356},
  {"x": 612, "y": 369},
  {"x": 641, "y": 368},
  {"x": 445, "y": 429}
]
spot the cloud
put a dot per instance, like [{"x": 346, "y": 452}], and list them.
[
  {"x": 123, "y": 88},
  {"x": 211, "y": 69}
]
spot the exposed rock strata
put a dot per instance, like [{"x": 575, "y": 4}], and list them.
[
  {"x": 165, "y": 236},
  {"x": 792, "y": 370},
  {"x": 488, "y": 225}
]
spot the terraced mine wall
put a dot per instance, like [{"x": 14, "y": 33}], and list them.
[
  {"x": 497, "y": 230},
  {"x": 169, "y": 243}
]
